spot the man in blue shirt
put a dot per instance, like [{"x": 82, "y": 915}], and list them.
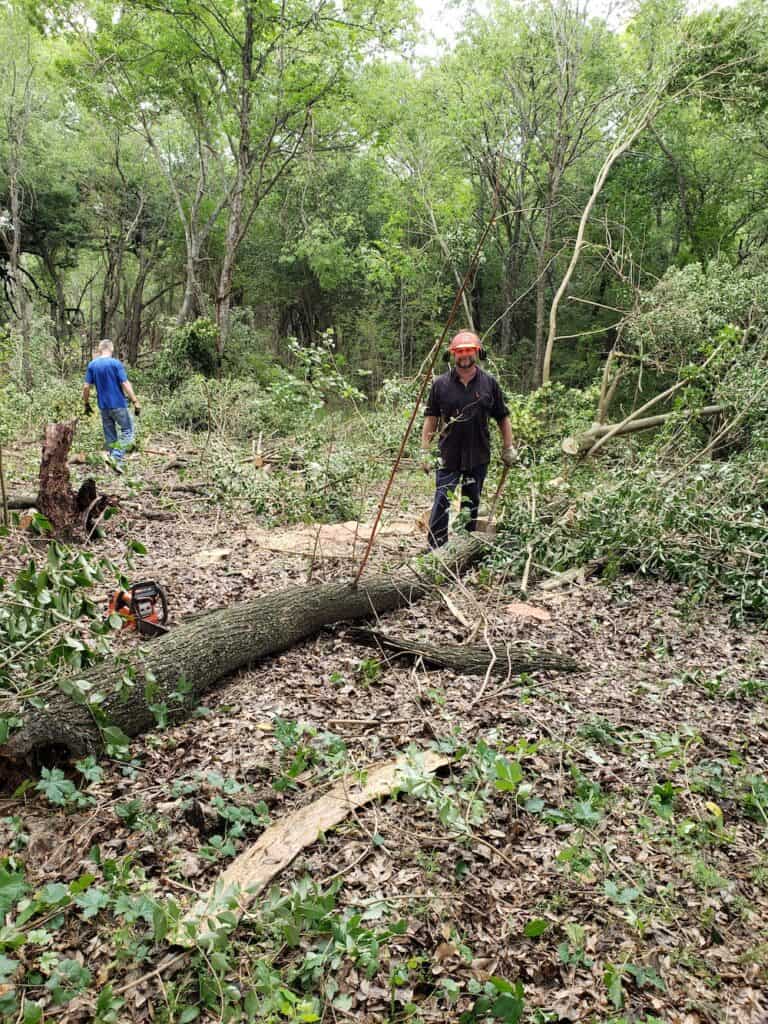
[{"x": 108, "y": 376}]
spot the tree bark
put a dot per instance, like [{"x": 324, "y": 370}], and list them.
[
  {"x": 187, "y": 662},
  {"x": 474, "y": 660},
  {"x": 56, "y": 499}
]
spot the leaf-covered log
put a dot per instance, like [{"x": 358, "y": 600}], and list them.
[
  {"x": 178, "y": 668},
  {"x": 472, "y": 660}
]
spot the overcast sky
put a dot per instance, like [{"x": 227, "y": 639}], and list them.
[{"x": 444, "y": 21}]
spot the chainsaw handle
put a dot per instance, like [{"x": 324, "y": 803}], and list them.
[
  {"x": 160, "y": 591},
  {"x": 163, "y": 602}
]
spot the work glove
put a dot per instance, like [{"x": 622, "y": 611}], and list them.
[
  {"x": 427, "y": 461},
  {"x": 509, "y": 456},
  {"x": 87, "y": 408},
  {"x": 136, "y": 409}
]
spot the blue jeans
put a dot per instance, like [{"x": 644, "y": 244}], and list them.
[
  {"x": 114, "y": 421},
  {"x": 447, "y": 480}
]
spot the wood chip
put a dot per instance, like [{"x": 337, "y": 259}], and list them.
[{"x": 521, "y": 610}]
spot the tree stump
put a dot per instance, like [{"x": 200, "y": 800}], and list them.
[{"x": 70, "y": 514}]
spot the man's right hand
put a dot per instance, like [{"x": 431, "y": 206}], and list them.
[
  {"x": 87, "y": 408},
  {"x": 136, "y": 409},
  {"x": 427, "y": 461}
]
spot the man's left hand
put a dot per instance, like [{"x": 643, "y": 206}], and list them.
[{"x": 509, "y": 456}]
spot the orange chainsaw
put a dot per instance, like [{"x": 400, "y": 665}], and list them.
[{"x": 144, "y": 608}]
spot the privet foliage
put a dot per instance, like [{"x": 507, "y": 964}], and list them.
[{"x": 686, "y": 502}]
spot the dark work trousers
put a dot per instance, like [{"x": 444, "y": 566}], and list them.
[{"x": 446, "y": 481}]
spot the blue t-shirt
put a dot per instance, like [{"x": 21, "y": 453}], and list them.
[{"x": 107, "y": 374}]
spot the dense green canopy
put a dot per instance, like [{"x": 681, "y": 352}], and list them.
[{"x": 287, "y": 171}]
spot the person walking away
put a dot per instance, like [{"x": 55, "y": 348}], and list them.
[
  {"x": 113, "y": 389},
  {"x": 460, "y": 403}
]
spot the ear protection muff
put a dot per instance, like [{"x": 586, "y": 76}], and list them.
[{"x": 482, "y": 354}]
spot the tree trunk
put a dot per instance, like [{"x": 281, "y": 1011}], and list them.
[
  {"x": 110, "y": 290},
  {"x": 185, "y": 663},
  {"x": 190, "y": 304},
  {"x": 580, "y": 444},
  {"x": 136, "y": 308},
  {"x": 474, "y": 659},
  {"x": 235, "y": 223}
]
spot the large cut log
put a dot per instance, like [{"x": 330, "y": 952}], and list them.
[
  {"x": 471, "y": 660},
  {"x": 580, "y": 444},
  {"x": 178, "y": 668}
]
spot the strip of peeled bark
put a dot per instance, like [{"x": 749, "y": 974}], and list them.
[
  {"x": 239, "y": 885},
  {"x": 188, "y": 661},
  {"x": 580, "y": 444},
  {"x": 504, "y": 659}
]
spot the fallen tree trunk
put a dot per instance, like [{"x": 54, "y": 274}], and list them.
[
  {"x": 178, "y": 668},
  {"x": 475, "y": 660},
  {"x": 580, "y": 444},
  {"x": 21, "y": 501}
]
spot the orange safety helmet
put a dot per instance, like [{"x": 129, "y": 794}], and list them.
[{"x": 465, "y": 341}]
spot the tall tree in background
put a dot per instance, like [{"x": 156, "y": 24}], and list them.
[
  {"x": 534, "y": 87},
  {"x": 246, "y": 84},
  {"x": 18, "y": 99}
]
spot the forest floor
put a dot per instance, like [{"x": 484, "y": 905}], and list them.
[{"x": 624, "y": 876}]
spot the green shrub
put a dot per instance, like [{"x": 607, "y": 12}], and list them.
[
  {"x": 706, "y": 529},
  {"x": 187, "y": 349}
]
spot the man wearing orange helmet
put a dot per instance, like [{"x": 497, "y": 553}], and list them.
[{"x": 460, "y": 402}]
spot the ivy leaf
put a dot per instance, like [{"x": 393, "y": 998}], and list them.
[
  {"x": 53, "y": 893},
  {"x": 612, "y": 979},
  {"x": 509, "y": 775},
  {"x": 535, "y": 928},
  {"x": 55, "y": 786},
  {"x": 7, "y": 967},
  {"x": 92, "y": 901}
]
